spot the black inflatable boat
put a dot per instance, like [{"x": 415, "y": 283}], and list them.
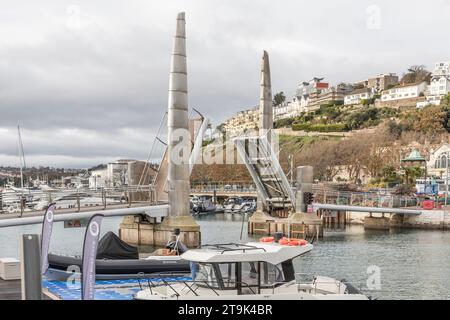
[{"x": 118, "y": 260}]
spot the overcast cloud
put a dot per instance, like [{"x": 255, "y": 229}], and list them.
[{"x": 87, "y": 80}]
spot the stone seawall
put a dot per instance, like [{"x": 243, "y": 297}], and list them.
[{"x": 433, "y": 220}]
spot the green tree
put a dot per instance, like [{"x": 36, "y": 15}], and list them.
[
  {"x": 411, "y": 174},
  {"x": 446, "y": 102},
  {"x": 279, "y": 99}
]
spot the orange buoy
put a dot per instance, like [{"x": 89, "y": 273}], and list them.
[
  {"x": 267, "y": 240},
  {"x": 293, "y": 242},
  {"x": 303, "y": 242}
]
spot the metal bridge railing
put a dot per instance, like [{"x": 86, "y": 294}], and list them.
[{"x": 26, "y": 201}]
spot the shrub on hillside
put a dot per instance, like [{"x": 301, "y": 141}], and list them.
[
  {"x": 361, "y": 118},
  {"x": 337, "y": 127},
  {"x": 283, "y": 123}
]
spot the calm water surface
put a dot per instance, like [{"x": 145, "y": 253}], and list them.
[{"x": 414, "y": 264}]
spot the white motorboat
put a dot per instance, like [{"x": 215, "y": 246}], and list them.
[
  {"x": 202, "y": 205},
  {"x": 254, "y": 271},
  {"x": 239, "y": 205}
]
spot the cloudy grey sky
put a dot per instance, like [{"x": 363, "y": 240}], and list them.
[{"x": 87, "y": 80}]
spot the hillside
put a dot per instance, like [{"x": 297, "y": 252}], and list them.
[{"x": 371, "y": 157}]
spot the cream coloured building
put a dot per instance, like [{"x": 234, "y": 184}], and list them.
[
  {"x": 439, "y": 162},
  {"x": 242, "y": 122}
]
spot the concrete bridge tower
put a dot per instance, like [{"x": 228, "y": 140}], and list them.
[
  {"x": 179, "y": 151},
  {"x": 265, "y": 98},
  {"x": 179, "y": 145}
]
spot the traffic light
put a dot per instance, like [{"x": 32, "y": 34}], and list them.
[{"x": 308, "y": 198}]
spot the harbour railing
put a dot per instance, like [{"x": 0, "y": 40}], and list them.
[
  {"x": 322, "y": 194},
  {"x": 223, "y": 187},
  {"x": 365, "y": 199},
  {"x": 21, "y": 201}
]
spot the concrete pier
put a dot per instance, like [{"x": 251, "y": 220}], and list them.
[
  {"x": 377, "y": 223},
  {"x": 313, "y": 224},
  {"x": 299, "y": 224}
]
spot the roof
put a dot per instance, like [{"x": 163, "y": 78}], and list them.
[
  {"x": 414, "y": 156},
  {"x": 272, "y": 253}
]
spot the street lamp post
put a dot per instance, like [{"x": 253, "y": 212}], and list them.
[
  {"x": 291, "y": 163},
  {"x": 446, "y": 179}
]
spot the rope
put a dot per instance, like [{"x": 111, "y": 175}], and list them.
[{"x": 147, "y": 166}]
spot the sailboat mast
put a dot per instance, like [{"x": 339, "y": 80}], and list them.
[{"x": 21, "y": 156}]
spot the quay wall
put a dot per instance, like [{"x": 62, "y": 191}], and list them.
[
  {"x": 435, "y": 219},
  {"x": 428, "y": 219}
]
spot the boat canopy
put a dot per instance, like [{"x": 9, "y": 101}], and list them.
[
  {"x": 111, "y": 247},
  {"x": 272, "y": 253}
]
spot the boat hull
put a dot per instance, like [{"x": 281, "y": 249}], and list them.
[{"x": 63, "y": 267}]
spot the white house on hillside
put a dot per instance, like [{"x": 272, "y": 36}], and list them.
[
  {"x": 439, "y": 84},
  {"x": 357, "y": 96},
  {"x": 407, "y": 91}
]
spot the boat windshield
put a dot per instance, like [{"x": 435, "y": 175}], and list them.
[{"x": 245, "y": 275}]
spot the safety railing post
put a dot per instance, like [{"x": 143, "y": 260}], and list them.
[{"x": 30, "y": 268}]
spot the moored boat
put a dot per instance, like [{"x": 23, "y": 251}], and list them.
[
  {"x": 119, "y": 260},
  {"x": 256, "y": 271}
]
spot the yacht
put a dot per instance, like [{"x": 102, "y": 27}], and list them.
[
  {"x": 239, "y": 205},
  {"x": 254, "y": 271}
]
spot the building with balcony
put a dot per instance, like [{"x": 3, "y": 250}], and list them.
[
  {"x": 357, "y": 96},
  {"x": 407, "y": 95},
  {"x": 382, "y": 82},
  {"x": 439, "y": 85}
]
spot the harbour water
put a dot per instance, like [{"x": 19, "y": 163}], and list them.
[{"x": 413, "y": 264}]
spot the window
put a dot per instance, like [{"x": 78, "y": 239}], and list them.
[
  {"x": 228, "y": 272},
  {"x": 443, "y": 161},
  {"x": 271, "y": 274},
  {"x": 206, "y": 273}
]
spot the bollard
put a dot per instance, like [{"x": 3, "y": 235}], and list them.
[
  {"x": 30, "y": 267},
  {"x": 78, "y": 202},
  {"x": 104, "y": 198}
]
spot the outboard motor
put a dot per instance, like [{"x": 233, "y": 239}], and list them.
[
  {"x": 278, "y": 236},
  {"x": 350, "y": 288},
  {"x": 177, "y": 245}
]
